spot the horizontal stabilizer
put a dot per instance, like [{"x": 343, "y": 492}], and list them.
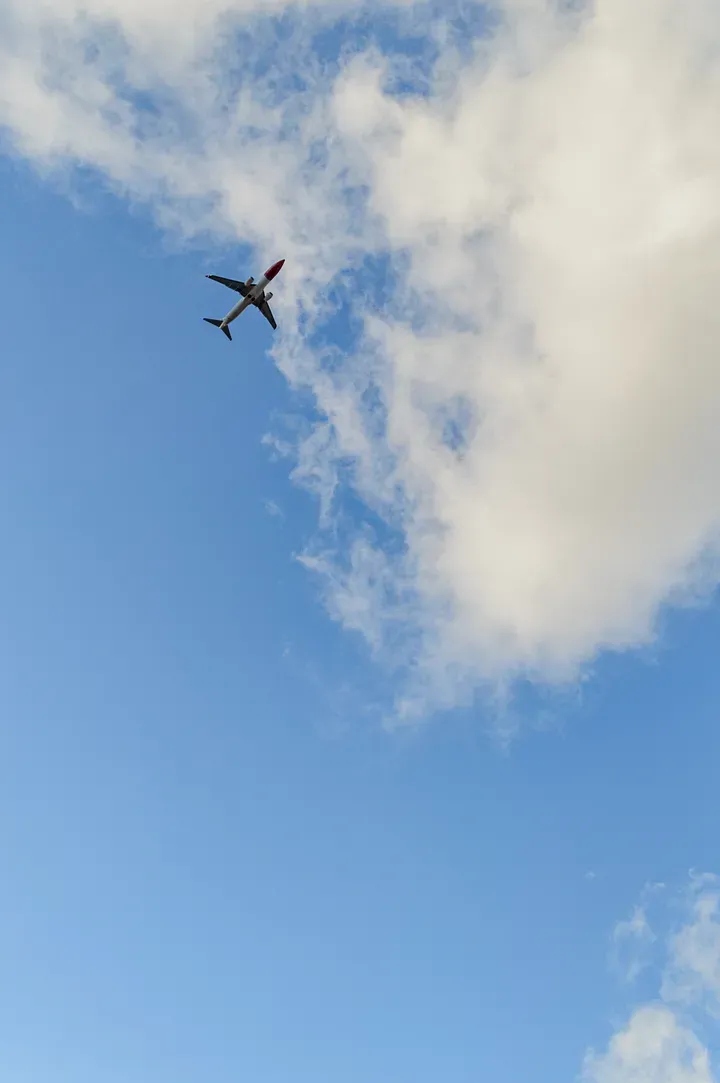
[{"x": 220, "y": 324}]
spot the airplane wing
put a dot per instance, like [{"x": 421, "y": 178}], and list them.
[
  {"x": 265, "y": 309},
  {"x": 239, "y": 287}
]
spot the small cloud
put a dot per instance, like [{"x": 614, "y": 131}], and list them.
[
  {"x": 590, "y": 875},
  {"x": 274, "y": 509},
  {"x": 632, "y": 940},
  {"x": 654, "y": 1047},
  {"x": 635, "y": 926},
  {"x": 693, "y": 972},
  {"x": 661, "y": 1041},
  {"x": 279, "y": 449}
]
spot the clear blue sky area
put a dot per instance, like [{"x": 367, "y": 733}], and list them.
[{"x": 216, "y": 866}]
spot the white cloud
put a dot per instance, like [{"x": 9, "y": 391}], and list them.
[
  {"x": 654, "y": 1047},
  {"x": 550, "y": 205},
  {"x": 636, "y": 926},
  {"x": 631, "y": 940},
  {"x": 693, "y": 975},
  {"x": 660, "y": 1042},
  {"x": 634, "y": 939}
]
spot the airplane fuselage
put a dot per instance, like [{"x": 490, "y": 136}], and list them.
[{"x": 255, "y": 293}]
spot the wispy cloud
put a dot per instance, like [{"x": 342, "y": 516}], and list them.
[
  {"x": 654, "y": 1047},
  {"x": 530, "y": 407},
  {"x": 273, "y": 509},
  {"x": 660, "y": 1043},
  {"x": 633, "y": 938},
  {"x": 693, "y": 975}
]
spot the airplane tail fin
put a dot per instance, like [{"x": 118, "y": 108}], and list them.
[{"x": 220, "y": 324}]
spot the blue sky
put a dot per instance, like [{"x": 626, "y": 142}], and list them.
[
  {"x": 220, "y": 862},
  {"x": 216, "y": 864}
]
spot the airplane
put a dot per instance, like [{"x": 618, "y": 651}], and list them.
[{"x": 252, "y": 293}]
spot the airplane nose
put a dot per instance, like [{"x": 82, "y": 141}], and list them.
[{"x": 275, "y": 269}]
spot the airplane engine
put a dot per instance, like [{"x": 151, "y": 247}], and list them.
[
  {"x": 268, "y": 296},
  {"x": 250, "y": 281}
]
